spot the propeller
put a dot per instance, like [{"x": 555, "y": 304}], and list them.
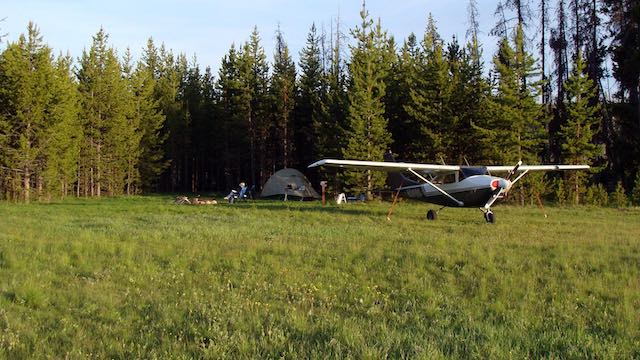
[
  {"x": 513, "y": 171},
  {"x": 503, "y": 185}
]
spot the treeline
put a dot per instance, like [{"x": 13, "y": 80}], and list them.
[{"x": 106, "y": 125}]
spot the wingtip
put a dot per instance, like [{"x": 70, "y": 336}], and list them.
[{"x": 316, "y": 164}]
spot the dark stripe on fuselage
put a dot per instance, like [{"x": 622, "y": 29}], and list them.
[{"x": 471, "y": 198}]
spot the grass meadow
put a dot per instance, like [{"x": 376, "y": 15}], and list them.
[{"x": 141, "y": 277}]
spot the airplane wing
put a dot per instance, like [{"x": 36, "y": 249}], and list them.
[
  {"x": 385, "y": 166},
  {"x": 537, "y": 168},
  {"x": 433, "y": 168}
]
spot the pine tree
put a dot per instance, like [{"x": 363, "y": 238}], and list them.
[
  {"x": 234, "y": 107},
  {"x": 254, "y": 71},
  {"x": 623, "y": 130},
  {"x": 635, "y": 195},
  {"x": 65, "y": 132},
  {"x": 368, "y": 137},
  {"x": 172, "y": 87},
  {"x": 402, "y": 79},
  {"x": 132, "y": 136},
  {"x": 476, "y": 91},
  {"x": 312, "y": 123},
  {"x": 27, "y": 78},
  {"x": 152, "y": 162},
  {"x": 282, "y": 89},
  {"x": 546, "y": 89},
  {"x": 169, "y": 78},
  {"x": 194, "y": 127},
  {"x": 105, "y": 107},
  {"x": 337, "y": 99},
  {"x": 558, "y": 43},
  {"x": 515, "y": 128},
  {"x": 582, "y": 124},
  {"x": 619, "y": 198},
  {"x": 465, "y": 97},
  {"x": 428, "y": 96},
  {"x": 210, "y": 144}
]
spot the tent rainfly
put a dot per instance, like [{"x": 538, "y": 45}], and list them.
[{"x": 290, "y": 182}]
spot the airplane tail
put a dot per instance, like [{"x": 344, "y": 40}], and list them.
[{"x": 397, "y": 179}]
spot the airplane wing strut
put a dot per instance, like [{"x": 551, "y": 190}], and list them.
[{"x": 458, "y": 202}]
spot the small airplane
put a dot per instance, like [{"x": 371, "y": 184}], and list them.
[{"x": 449, "y": 185}]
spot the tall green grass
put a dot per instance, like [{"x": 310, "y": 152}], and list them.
[{"x": 141, "y": 277}]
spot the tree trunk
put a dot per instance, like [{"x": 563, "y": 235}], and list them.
[
  {"x": 39, "y": 183},
  {"x": 98, "y": 172},
  {"x": 26, "y": 183},
  {"x": 543, "y": 46},
  {"x": 91, "y": 181},
  {"x": 369, "y": 184},
  {"x": 252, "y": 161},
  {"x": 576, "y": 189}
]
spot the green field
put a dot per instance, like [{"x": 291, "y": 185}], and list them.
[{"x": 142, "y": 278}]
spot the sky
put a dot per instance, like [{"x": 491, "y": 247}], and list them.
[{"x": 208, "y": 28}]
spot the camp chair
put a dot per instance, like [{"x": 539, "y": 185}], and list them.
[
  {"x": 291, "y": 188},
  {"x": 243, "y": 195}
]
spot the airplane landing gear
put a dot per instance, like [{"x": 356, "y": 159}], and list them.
[
  {"x": 489, "y": 217},
  {"x": 432, "y": 215}
]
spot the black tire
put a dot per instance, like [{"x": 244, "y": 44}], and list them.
[
  {"x": 432, "y": 215},
  {"x": 490, "y": 217}
]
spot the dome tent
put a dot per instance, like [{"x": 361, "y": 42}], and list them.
[{"x": 290, "y": 182}]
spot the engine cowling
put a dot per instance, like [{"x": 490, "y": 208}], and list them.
[{"x": 500, "y": 184}]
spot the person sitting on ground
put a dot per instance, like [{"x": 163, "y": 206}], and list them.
[{"x": 239, "y": 194}]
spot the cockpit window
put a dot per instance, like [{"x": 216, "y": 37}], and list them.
[{"x": 476, "y": 170}]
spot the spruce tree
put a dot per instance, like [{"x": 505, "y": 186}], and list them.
[
  {"x": 368, "y": 136},
  {"x": 582, "y": 124}
]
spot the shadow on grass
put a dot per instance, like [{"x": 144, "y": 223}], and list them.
[
  {"x": 258, "y": 204},
  {"x": 304, "y": 207}
]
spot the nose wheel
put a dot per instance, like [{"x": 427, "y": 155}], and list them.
[
  {"x": 432, "y": 215},
  {"x": 489, "y": 216}
]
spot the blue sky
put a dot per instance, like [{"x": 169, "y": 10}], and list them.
[{"x": 208, "y": 28}]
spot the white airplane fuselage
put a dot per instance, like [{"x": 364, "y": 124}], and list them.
[{"x": 473, "y": 191}]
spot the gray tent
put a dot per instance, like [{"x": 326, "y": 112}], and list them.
[{"x": 289, "y": 182}]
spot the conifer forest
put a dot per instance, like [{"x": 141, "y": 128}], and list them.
[{"x": 562, "y": 87}]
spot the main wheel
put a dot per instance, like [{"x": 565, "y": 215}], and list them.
[
  {"x": 489, "y": 217},
  {"x": 431, "y": 215}
]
